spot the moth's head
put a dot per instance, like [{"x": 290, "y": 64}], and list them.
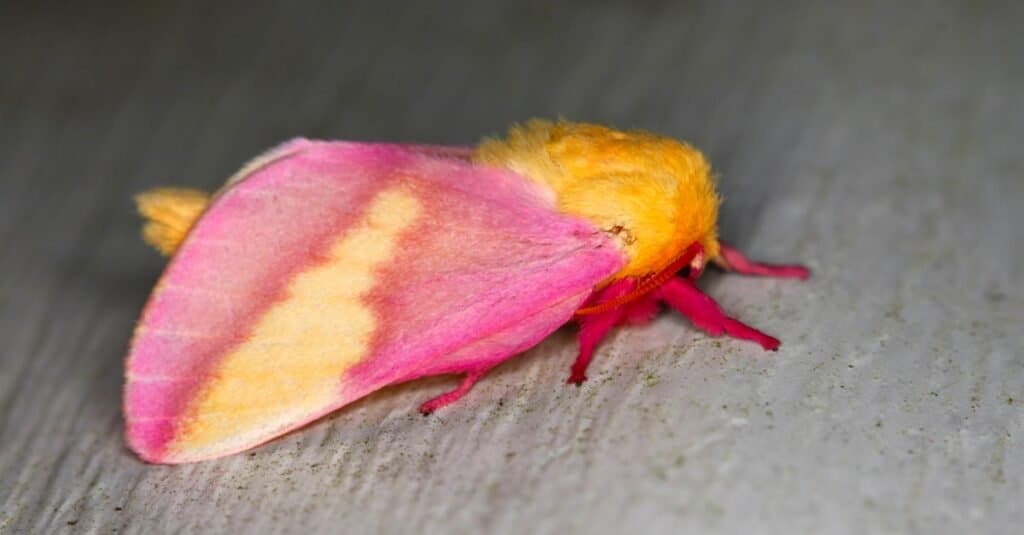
[{"x": 653, "y": 195}]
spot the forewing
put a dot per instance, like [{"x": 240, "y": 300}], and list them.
[{"x": 329, "y": 270}]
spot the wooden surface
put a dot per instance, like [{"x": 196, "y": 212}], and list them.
[{"x": 880, "y": 142}]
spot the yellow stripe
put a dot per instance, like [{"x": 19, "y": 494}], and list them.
[{"x": 289, "y": 368}]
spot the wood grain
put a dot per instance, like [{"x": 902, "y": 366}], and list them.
[{"x": 878, "y": 142}]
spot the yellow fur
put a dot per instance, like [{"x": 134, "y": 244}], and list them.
[
  {"x": 169, "y": 214},
  {"x": 655, "y": 195}
]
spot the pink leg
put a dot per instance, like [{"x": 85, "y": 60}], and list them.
[
  {"x": 731, "y": 259},
  {"x": 642, "y": 311},
  {"x": 451, "y": 397},
  {"x": 594, "y": 327},
  {"x": 706, "y": 315}
]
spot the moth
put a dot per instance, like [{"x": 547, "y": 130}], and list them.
[{"x": 325, "y": 270}]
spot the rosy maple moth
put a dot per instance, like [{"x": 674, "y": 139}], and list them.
[{"x": 325, "y": 270}]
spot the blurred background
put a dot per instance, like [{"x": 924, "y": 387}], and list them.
[{"x": 879, "y": 142}]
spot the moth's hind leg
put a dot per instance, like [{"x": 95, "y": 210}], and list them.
[{"x": 454, "y": 395}]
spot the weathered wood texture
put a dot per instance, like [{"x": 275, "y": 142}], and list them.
[{"x": 878, "y": 141}]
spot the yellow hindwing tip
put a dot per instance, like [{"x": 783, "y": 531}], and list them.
[{"x": 169, "y": 214}]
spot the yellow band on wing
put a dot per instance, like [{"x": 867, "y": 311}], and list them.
[{"x": 289, "y": 368}]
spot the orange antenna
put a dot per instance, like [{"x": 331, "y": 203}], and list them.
[{"x": 647, "y": 284}]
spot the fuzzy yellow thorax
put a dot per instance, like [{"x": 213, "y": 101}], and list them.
[{"x": 654, "y": 195}]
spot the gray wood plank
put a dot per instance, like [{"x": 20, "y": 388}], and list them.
[{"x": 878, "y": 142}]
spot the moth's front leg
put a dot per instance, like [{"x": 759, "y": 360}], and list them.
[{"x": 731, "y": 259}]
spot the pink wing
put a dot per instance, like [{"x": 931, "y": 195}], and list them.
[{"x": 329, "y": 270}]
